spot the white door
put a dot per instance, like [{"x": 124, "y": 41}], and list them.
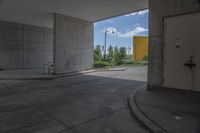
[{"x": 181, "y": 52}]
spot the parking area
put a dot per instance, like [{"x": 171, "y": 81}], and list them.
[{"x": 93, "y": 102}]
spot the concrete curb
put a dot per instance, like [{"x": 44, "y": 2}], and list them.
[
  {"x": 50, "y": 77},
  {"x": 118, "y": 69},
  {"x": 141, "y": 116}
]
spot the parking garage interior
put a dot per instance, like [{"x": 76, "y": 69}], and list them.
[{"x": 35, "y": 33}]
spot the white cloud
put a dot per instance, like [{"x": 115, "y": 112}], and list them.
[
  {"x": 131, "y": 14},
  {"x": 109, "y": 21},
  {"x": 128, "y": 34},
  {"x": 134, "y": 32},
  {"x": 136, "y": 25},
  {"x": 143, "y": 12},
  {"x": 137, "y": 13}
]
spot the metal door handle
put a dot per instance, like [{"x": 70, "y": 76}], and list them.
[{"x": 190, "y": 64}]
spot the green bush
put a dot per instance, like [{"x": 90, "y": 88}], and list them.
[
  {"x": 145, "y": 58},
  {"x": 102, "y": 64},
  {"x": 136, "y": 63}
]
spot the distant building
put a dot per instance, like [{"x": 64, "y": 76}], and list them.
[{"x": 140, "y": 47}]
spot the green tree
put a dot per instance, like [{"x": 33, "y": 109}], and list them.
[
  {"x": 122, "y": 54},
  {"x": 116, "y": 55},
  {"x": 145, "y": 58},
  {"x": 97, "y": 53},
  {"x": 110, "y": 52}
]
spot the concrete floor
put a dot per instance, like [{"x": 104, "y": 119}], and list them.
[
  {"x": 35, "y": 74},
  {"x": 174, "y": 112},
  {"x": 89, "y": 103}
]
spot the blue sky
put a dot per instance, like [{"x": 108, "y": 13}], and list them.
[{"x": 125, "y": 28}]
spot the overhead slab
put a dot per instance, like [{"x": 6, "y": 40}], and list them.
[{"x": 40, "y": 12}]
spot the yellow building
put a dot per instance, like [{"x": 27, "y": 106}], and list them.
[{"x": 140, "y": 47}]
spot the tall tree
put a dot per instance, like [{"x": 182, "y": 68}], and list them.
[
  {"x": 110, "y": 52},
  {"x": 122, "y": 54},
  {"x": 116, "y": 55},
  {"x": 97, "y": 53}
]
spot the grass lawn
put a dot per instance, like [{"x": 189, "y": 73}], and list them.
[
  {"x": 107, "y": 64},
  {"x": 135, "y": 63}
]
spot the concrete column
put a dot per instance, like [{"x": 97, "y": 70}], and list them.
[
  {"x": 73, "y": 44},
  {"x": 158, "y": 10}
]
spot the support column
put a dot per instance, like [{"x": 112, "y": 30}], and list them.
[{"x": 73, "y": 44}]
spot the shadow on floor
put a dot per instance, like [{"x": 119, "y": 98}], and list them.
[
  {"x": 75, "y": 104},
  {"x": 173, "y": 111}
]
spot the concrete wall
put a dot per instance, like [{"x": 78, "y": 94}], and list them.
[
  {"x": 158, "y": 9},
  {"x": 24, "y": 46},
  {"x": 73, "y": 46}
]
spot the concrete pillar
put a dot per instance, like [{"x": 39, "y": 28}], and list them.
[
  {"x": 158, "y": 10},
  {"x": 73, "y": 44}
]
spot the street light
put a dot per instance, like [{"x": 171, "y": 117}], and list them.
[{"x": 105, "y": 41}]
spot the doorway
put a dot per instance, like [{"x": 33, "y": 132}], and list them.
[{"x": 181, "y": 69}]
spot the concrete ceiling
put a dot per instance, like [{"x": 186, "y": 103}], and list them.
[{"x": 40, "y": 12}]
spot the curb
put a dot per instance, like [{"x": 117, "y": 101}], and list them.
[
  {"x": 141, "y": 116},
  {"x": 48, "y": 77},
  {"x": 51, "y": 77},
  {"x": 122, "y": 69}
]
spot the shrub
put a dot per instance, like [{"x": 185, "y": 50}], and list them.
[
  {"x": 145, "y": 58},
  {"x": 136, "y": 63},
  {"x": 101, "y": 64}
]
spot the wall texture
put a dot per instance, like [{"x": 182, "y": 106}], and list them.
[
  {"x": 73, "y": 46},
  {"x": 158, "y": 10},
  {"x": 24, "y": 46}
]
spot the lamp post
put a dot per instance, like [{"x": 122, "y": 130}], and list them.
[{"x": 105, "y": 41}]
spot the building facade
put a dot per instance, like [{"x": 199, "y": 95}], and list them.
[{"x": 140, "y": 48}]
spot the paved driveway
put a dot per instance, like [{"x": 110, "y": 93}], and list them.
[{"x": 90, "y": 103}]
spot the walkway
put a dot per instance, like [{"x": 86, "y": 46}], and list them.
[{"x": 168, "y": 111}]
